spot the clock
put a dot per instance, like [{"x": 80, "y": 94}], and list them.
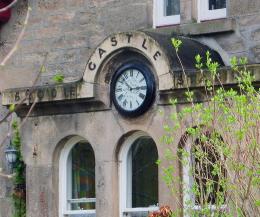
[{"x": 133, "y": 89}]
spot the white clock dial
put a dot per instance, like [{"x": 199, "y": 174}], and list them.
[{"x": 130, "y": 89}]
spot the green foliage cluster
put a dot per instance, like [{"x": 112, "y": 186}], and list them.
[
  {"x": 58, "y": 78},
  {"x": 19, "y": 200},
  {"x": 220, "y": 147}
]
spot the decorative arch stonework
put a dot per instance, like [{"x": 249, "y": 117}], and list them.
[
  {"x": 141, "y": 43},
  {"x": 154, "y": 49}
]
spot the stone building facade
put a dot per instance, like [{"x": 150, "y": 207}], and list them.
[{"x": 88, "y": 42}]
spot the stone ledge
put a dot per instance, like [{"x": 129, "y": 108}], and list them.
[{"x": 203, "y": 28}]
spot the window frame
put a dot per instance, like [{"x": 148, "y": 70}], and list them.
[
  {"x": 124, "y": 166},
  {"x": 188, "y": 179},
  {"x": 159, "y": 19},
  {"x": 205, "y": 14},
  {"x": 64, "y": 182}
]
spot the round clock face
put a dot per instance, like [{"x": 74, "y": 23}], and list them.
[{"x": 132, "y": 89}]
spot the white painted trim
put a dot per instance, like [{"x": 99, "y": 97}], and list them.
[
  {"x": 158, "y": 15},
  {"x": 146, "y": 209},
  {"x": 78, "y": 212},
  {"x": 123, "y": 177},
  {"x": 198, "y": 11},
  {"x": 205, "y": 14},
  {"x": 63, "y": 179}
]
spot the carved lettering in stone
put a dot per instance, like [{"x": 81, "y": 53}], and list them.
[
  {"x": 92, "y": 66},
  {"x": 157, "y": 54},
  {"x": 113, "y": 41},
  {"x": 66, "y": 92},
  {"x": 40, "y": 94},
  {"x": 143, "y": 45},
  {"x": 17, "y": 96},
  {"x": 28, "y": 95},
  {"x": 53, "y": 92},
  {"x": 73, "y": 92},
  {"x": 129, "y": 36},
  {"x": 101, "y": 52}
]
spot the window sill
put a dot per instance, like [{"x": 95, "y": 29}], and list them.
[
  {"x": 79, "y": 212},
  {"x": 203, "y": 28}
]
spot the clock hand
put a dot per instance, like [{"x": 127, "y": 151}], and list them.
[
  {"x": 139, "y": 88},
  {"x": 128, "y": 86}
]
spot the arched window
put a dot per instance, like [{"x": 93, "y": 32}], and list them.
[
  {"x": 204, "y": 175},
  {"x": 77, "y": 179},
  {"x": 138, "y": 176}
]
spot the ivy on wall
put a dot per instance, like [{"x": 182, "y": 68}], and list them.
[{"x": 19, "y": 193}]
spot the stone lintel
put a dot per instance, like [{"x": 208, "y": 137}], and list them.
[
  {"x": 203, "y": 28},
  {"x": 50, "y": 93},
  {"x": 227, "y": 78},
  {"x": 77, "y": 91}
]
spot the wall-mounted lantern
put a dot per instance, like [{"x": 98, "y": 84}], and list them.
[{"x": 11, "y": 156}]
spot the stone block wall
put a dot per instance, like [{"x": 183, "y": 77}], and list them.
[
  {"x": 243, "y": 41},
  {"x": 5, "y": 184},
  {"x": 67, "y": 32}
]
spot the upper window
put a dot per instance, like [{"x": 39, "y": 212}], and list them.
[
  {"x": 204, "y": 178},
  {"x": 77, "y": 180},
  {"x": 212, "y": 9},
  {"x": 138, "y": 177},
  {"x": 166, "y": 12}
]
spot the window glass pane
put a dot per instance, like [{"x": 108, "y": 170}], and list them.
[
  {"x": 217, "y": 4},
  {"x": 144, "y": 173},
  {"x": 83, "y": 177},
  {"x": 171, "y": 7},
  {"x": 206, "y": 158}
]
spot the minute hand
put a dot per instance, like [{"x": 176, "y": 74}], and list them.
[{"x": 139, "y": 88}]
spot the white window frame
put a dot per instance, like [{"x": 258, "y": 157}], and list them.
[
  {"x": 65, "y": 184},
  {"x": 188, "y": 182},
  {"x": 158, "y": 15},
  {"x": 205, "y": 14},
  {"x": 125, "y": 192}
]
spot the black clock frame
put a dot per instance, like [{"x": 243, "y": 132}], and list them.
[{"x": 151, "y": 87}]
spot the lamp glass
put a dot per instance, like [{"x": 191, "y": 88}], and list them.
[{"x": 11, "y": 155}]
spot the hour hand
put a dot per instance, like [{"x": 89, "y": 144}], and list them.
[{"x": 129, "y": 86}]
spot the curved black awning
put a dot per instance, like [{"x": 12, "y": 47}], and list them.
[{"x": 187, "y": 52}]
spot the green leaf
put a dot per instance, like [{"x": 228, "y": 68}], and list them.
[
  {"x": 12, "y": 107},
  {"x": 58, "y": 78},
  {"x": 176, "y": 43}
]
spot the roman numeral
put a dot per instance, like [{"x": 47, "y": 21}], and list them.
[
  {"x": 141, "y": 80},
  {"x": 119, "y": 90},
  {"x": 124, "y": 103},
  {"x": 121, "y": 80},
  {"x": 120, "y": 97},
  {"x": 126, "y": 76},
  {"x": 131, "y": 105},
  {"x": 141, "y": 95},
  {"x": 143, "y": 88},
  {"x": 131, "y": 73}
]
